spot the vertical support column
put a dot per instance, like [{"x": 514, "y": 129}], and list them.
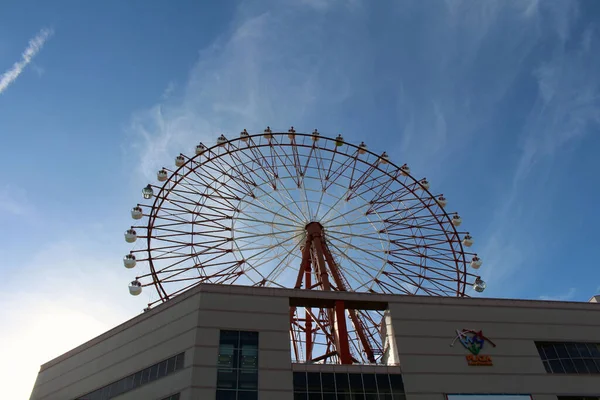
[
  {"x": 309, "y": 344},
  {"x": 341, "y": 331}
]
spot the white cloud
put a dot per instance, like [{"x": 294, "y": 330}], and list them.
[
  {"x": 14, "y": 201},
  {"x": 34, "y": 47},
  {"x": 568, "y": 296}
]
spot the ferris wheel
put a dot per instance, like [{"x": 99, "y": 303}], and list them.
[{"x": 304, "y": 211}]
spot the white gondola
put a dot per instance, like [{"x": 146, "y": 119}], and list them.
[
  {"x": 424, "y": 184},
  {"x": 135, "y": 288},
  {"x": 268, "y": 133},
  {"x": 339, "y": 140},
  {"x": 137, "y": 212},
  {"x": 162, "y": 175},
  {"x": 179, "y": 160},
  {"x": 315, "y": 135},
  {"x": 476, "y": 262},
  {"x": 244, "y": 135},
  {"x": 362, "y": 148},
  {"x": 130, "y": 235},
  {"x": 147, "y": 192},
  {"x": 479, "y": 285},
  {"x": 467, "y": 240},
  {"x": 456, "y": 220},
  {"x": 291, "y": 133},
  {"x": 221, "y": 140},
  {"x": 384, "y": 158},
  {"x": 441, "y": 200},
  {"x": 201, "y": 148},
  {"x": 129, "y": 261},
  {"x": 405, "y": 170}
]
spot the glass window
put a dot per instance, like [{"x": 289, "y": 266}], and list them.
[
  {"x": 226, "y": 395},
  {"x": 227, "y": 378},
  {"x": 328, "y": 383},
  {"x": 356, "y": 385},
  {"x": 237, "y": 363},
  {"x": 347, "y": 386},
  {"x": 570, "y": 357},
  {"x": 229, "y": 338},
  {"x": 341, "y": 383},
  {"x": 300, "y": 381},
  {"x": 383, "y": 383},
  {"x": 179, "y": 361},
  {"x": 137, "y": 379},
  {"x": 369, "y": 383},
  {"x": 248, "y": 379},
  {"x": 397, "y": 384}
]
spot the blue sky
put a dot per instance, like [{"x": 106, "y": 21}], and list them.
[{"x": 495, "y": 102}]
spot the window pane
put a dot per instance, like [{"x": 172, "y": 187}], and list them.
[
  {"x": 170, "y": 365},
  {"x": 230, "y": 338},
  {"x": 591, "y": 366},
  {"x": 249, "y": 357},
  {"x": 557, "y": 367},
  {"x": 369, "y": 396},
  {"x": 550, "y": 352},
  {"x": 383, "y": 383},
  {"x": 356, "y": 385},
  {"x": 314, "y": 396},
  {"x": 580, "y": 366},
  {"x": 247, "y": 395},
  {"x": 313, "y": 381},
  {"x": 248, "y": 379},
  {"x": 162, "y": 369},
  {"x": 561, "y": 350},
  {"x": 226, "y": 356},
  {"x": 594, "y": 350},
  {"x": 179, "y": 361},
  {"x": 153, "y": 372},
  {"x": 399, "y": 397},
  {"x": 344, "y": 396},
  {"x": 583, "y": 350},
  {"x": 300, "y": 381},
  {"x": 369, "y": 383},
  {"x": 341, "y": 383},
  {"x": 385, "y": 397},
  {"x": 329, "y": 396},
  {"x": 568, "y": 366},
  {"x": 300, "y": 396},
  {"x": 145, "y": 376},
  {"x": 249, "y": 339},
  {"x": 225, "y": 395},
  {"x": 540, "y": 348},
  {"x": 397, "y": 384},
  {"x": 227, "y": 378},
  {"x": 327, "y": 382},
  {"x": 572, "y": 349}
]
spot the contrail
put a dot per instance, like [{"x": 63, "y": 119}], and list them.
[{"x": 35, "y": 45}]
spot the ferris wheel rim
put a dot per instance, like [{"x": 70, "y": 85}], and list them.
[{"x": 162, "y": 196}]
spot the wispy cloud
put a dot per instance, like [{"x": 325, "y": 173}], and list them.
[
  {"x": 14, "y": 201},
  {"x": 568, "y": 296},
  {"x": 34, "y": 47}
]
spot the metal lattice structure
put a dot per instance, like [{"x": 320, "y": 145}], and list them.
[{"x": 301, "y": 211}]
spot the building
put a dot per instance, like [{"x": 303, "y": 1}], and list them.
[{"x": 232, "y": 342}]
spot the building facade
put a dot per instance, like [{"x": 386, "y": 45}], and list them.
[{"x": 233, "y": 342}]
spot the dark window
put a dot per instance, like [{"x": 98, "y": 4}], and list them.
[
  {"x": 137, "y": 379},
  {"x": 345, "y": 386},
  {"x": 237, "y": 362},
  {"x": 570, "y": 357},
  {"x": 172, "y": 397}
]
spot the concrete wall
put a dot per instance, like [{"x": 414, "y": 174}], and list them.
[{"x": 424, "y": 327}]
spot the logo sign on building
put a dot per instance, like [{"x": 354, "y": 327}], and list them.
[{"x": 474, "y": 341}]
